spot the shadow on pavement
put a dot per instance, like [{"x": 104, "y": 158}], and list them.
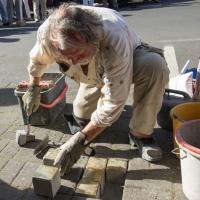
[
  {"x": 7, "y": 192},
  {"x": 8, "y": 40},
  {"x": 7, "y": 97},
  {"x": 13, "y": 30}
]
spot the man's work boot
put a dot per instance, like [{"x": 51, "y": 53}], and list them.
[{"x": 147, "y": 147}]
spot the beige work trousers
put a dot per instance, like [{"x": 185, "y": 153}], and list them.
[{"x": 150, "y": 75}]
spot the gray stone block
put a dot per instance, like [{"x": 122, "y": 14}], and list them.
[
  {"x": 116, "y": 170},
  {"x": 96, "y": 176},
  {"x": 97, "y": 163},
  {"x": 50, "y": 156},
  {"x": 46, "y": 181},
  {"x": 113, "y": 192},
  {"x": 88, "y": 188}
]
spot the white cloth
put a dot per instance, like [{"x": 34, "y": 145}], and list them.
[{"x": 111, "y": 69}]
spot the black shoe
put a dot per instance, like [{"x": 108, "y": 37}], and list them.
[
  {"x": 147, "y": 148},
  {"x": 6, "y": 24}
]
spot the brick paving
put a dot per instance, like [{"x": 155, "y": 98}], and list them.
[
  {"x": 142, "y": 180},
  {"x": 137, "y": 179}
]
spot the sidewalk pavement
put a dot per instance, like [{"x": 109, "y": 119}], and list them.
[{"x": 143, "y": 180}]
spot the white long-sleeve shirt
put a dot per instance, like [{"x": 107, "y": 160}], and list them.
[{"x": 111, "y": 68}]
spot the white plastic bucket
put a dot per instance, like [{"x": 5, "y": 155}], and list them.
[{"x": 188, "y": 138}]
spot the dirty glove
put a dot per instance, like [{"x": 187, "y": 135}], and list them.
[
  {"x": 70, "y": 152},
  {"x": 31, "y": 99}
]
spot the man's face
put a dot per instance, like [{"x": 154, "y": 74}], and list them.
[{"x": 78, "y": 55}]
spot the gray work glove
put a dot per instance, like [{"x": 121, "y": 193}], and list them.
[
  {"x": 31, "y": 99},
  {"x": 70, "y": 152}
]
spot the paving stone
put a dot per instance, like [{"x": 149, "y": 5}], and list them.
[
  {"x": 9, "y": 134},
  {"x": 3, "y": 143},
  {"x": 24, "y": 178},
  {"x": 10, "y": 171},
  {"x": 102, "y": 150},
  {"x": 116, "y": 170},
  {"x": 46, "y": 180},
  {"x": 122, "y": 151},
  {"x": 50, "y": 156},
  {"x": 86, "y": 188},
  {"x": 30, "y": 195},
  {"x": 10, "y": 150},
  {"x": 26, "y": 154},
  {"x": 96, "y": 176},
  {"x": 141, "y": 194},
  {"x": 10, "y": 193},
  {"x": 83, "y": 198},
  {"x": 96, "y": 163},
  {"x": 62, "y": 197},
  {"x": 178, "y": 192},
  {"x": 67, "y": 187},
  {"x": 169, "y": 161},
  {"x": 3, "y": 128},
  {"x": 154, "y": 179},
  {"x": 112, "y": 191},
  {"x": 77, "y": 169},
  {"x": 7, "y": 114},
  {"x": 3, "y": 161},
  {"x": 137, "y": 164}
]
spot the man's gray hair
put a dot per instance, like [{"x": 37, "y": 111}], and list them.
[{"x": 74, "y": 26}]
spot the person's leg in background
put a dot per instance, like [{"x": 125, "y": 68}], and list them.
[
  {"x": 27, "y": 9},
  {"x": 113, "y": 4},
  {"x": 43, "y": 9},
  {"x": 36, "y": 7},
  {"x": 150, "y": 76},
  {"x": 9, "y": 8},
  {"x": 84, "y": 105},
  {"x": 19, "y": 13},
  {"x": 3, "y": 13}
]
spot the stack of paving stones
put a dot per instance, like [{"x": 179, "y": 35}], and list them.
[{"x": 115, "y": 172}]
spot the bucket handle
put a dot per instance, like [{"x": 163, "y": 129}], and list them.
[
  {"x": 176, "y": 151},
  {"x": 184, "y": 94},
  {"x": 177, "y": 117}
]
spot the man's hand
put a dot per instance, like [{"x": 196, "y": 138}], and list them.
[
  {"x": 31, "y": 99},
  {"x": 70, "y": 152}
]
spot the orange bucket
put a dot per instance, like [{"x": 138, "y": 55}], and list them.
[{"x": 184, "y": 112}]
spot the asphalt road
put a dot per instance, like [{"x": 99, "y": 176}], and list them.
[{"x": 174, "y": 23}]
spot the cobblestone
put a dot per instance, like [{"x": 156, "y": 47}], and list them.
[
  {"x": 24, "y": 178},
  {"x": 10, "y": 150},
  {"x": 113, "y": 192},
  {"x": 3, "y": 161},
  {"x": 142, "y": 194},
  {"x": 116, "y": 170},
  {"x": 7, "y": 192},
  {"x": 10, "y": 171},
  {"x": 3, "y": 143}
]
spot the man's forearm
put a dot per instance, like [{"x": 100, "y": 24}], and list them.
[{"x": 91, "y": 131}]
